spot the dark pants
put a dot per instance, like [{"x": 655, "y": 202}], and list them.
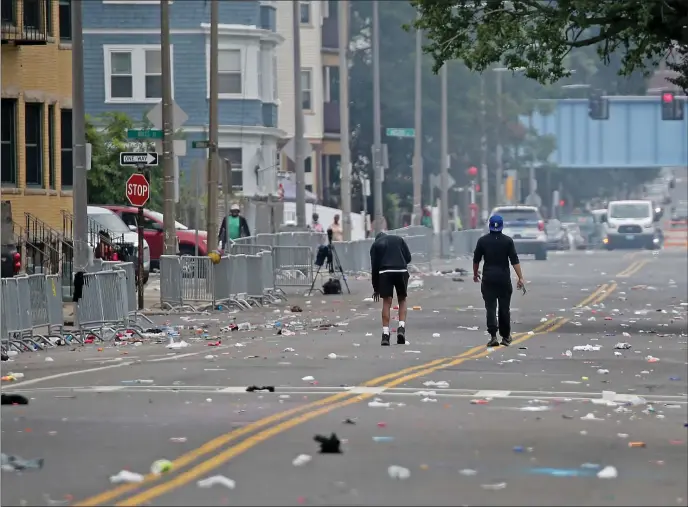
[{"x": 497, "y": 295}]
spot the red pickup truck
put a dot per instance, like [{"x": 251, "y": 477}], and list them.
[{"x": 153, "y": 232}]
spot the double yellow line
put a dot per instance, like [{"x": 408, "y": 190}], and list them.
[
  {"x": 598, "y": 295},
  {"x": 633, "y": 268},
  {"x": 264, "y": 429}
]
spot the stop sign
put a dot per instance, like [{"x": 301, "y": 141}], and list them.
[{"x": 138, "y": 190}]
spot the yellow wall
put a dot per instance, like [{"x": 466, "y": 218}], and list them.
[{"x": 40, "y": 73}]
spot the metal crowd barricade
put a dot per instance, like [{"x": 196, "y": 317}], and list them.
[
  {"x": 44, "y": 297},
  {"x": 248, "y": 249},
  {"x": 254, "y": 284},
  {"x": 171, "y": 280},
  {"x": 293, "y": 266},
  {"x": 18, "y": 330},
  {"x": 130, "y": 276},
  {"x": 267, "y": 275},
  {"x": 104, "y": 305},
  {"x": 310, "y": 239},
  {"x": 197, "y": 280}
]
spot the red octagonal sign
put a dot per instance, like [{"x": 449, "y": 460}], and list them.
[{"x": 138, "y": 190}]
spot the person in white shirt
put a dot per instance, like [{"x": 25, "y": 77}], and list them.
[
  {"x": 337, "y": 231},
  {"x": 315, "y": 225}
]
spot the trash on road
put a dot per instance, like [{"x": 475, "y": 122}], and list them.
[
  {"x": 301, "y": 460},
  {"x": 329, "y": 445},
  {"x": 161, "y": 466},
  {"x": 397, "y": 472},
  {"x": 126, "y": 477},
  {"x": 216, "y": 480},
  {"x": 608, "y": 472},
  {"x": 254, "y": 389},
  {"x": 10, "y": 463}
]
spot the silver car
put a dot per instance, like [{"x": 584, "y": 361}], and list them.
[{"x": 526, "y": 227}]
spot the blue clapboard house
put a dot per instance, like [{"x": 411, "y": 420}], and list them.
[{"x": 123, "y": 73}]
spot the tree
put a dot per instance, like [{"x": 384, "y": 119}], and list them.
[
  {"x": 538, "y": 36},
  {"x": 397, "y": 51},
  {"x": 107, "y": 135}
]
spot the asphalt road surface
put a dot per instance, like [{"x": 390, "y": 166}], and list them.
[{"x": 533, "y": 424}]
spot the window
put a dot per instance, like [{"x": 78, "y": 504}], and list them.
[
  {"x": 305, "y": 13},
  {"x": 234, "y": 155},
  {"x": 229, "y": 70},
  {"x": 133, "y": 74},
  {"x": 307, "y": 165},
  {"x": 33, "y": 146},
  {"x": 153, "y": 74},
  {"x": 121, "y": 77},
  {"x": 33, "y": 14},
  {"x": 9, "y": 141},
  {"x": 331, "y": 80},
  {"x": 309, "y": 188},
  {"x": 9, "y": 12},
  {"x": 51, "y": 146},
  {"x": 66, "y": 158},
  {"x": 65, "y": 15},
  {"x": 306, "y": 89}
]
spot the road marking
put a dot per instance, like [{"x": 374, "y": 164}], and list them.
[
  {"x": 365, "y": 390},
  {"x": 214, "y": 461},
  {"x": 592, "y": 296},
  {"x": 632, "y": 269},
  {"x": 331, "y": 402},
  {"x": 604, "y": 295},
  {"x": 103, "y": 368}
]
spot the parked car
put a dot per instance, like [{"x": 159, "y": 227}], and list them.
[
  {"x": 111, "y": 222},
  {"x": 557, "y": 237},
  {"x": 526, "y": 227},
  {"x": 153, "y": 232}
]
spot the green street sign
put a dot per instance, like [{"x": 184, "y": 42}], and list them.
[
  {"x": 144, "y": 134},
  {"x": 401, "y": 132},
  {"x": 204, "y": 145}
]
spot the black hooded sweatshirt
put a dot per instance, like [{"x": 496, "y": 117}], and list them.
[{"x": 388, "y": 253}]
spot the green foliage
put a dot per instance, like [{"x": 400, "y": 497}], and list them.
[
  {"x": 539, "y": 36},
  {"x": 107, "y": 179},
  {"x": 465, "y": 122}
]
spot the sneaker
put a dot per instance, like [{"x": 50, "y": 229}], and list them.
[
  {"x": 385, "y": 340},
  {"x": 493, "y": 342},
  {"x": 401, "y": 335},
  {"x": 506, "y": 341}
]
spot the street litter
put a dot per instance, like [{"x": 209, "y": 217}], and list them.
[
  {"x": 397, "y": 472},
  {"x": 161, "y": 466},
  {"x": 608, "y": 472},
  {"x": 177, "y": 345},
  {"x": 301, "y": 460},
  {"x": 126, "y": 477},
  {"x": 14, "y": 399},
  {"x": 10, "y": 463},
  {"x": 468, "y": 472},
  {"x": 329, "y": 445},
  {"x": 216, "y": 480},
  {"x": 378, "y": 404},
  {"x": 586, "y": 348},
  {"x": 49, "y": 359},
  {"x": 383, "y": 439},
  {"x": 442, "y": 384},
  {"x": 494, "y": 487},
  {"x": 252, "y": 389},
  {"x": 308, "y": 378},
  {"x": 431, "y": 400},
  {"x": 178, "y": 440},
  {"x": 435, "y": 335},
  {"x": 591, "y": 417}
]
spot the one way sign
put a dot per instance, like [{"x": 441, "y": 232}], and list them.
[{"x": 133, "y": 158}]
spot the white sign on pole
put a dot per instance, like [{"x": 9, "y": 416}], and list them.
[
  {"x": 176, "y": 179},
  {"x": 289, "y": 149}
]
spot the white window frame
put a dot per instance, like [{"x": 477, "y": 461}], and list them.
[
  {"x": 310, "y": 13},
  {"x": 242, "y": 56},
  {"x": 138, "y": 70},
  {"x": 234, "y": 168},
  {"x": 309, "y": 90}
]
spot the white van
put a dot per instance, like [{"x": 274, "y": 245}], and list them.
[{"x": 631, "y": 224}]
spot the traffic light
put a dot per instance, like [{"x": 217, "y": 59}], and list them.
[
  {"x": 672, "y": 108},
  {"x": 598, "y": 107}
]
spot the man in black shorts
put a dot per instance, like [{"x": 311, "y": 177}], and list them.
[{"x": 389, "y": 259}]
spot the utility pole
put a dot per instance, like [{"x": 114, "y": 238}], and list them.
[
  {"x": 500, "y": 165},
  {"x": 168, "y": 132},
  {"x": 213, "y": 169},
  {"x": 444, "y": 163},
  {"x": 299, "y": 148},
  {"x": 484, "y": 185},
  {"x": 418, "y": 126},
  {"x": 345, "y": 169},
  {"x": 532, "y": 182},
  {"x": 80, "y": 190},
  {"x": 377, "y": 122}
]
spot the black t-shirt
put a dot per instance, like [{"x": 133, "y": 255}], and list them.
[{"x": 498, "y": 251}]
